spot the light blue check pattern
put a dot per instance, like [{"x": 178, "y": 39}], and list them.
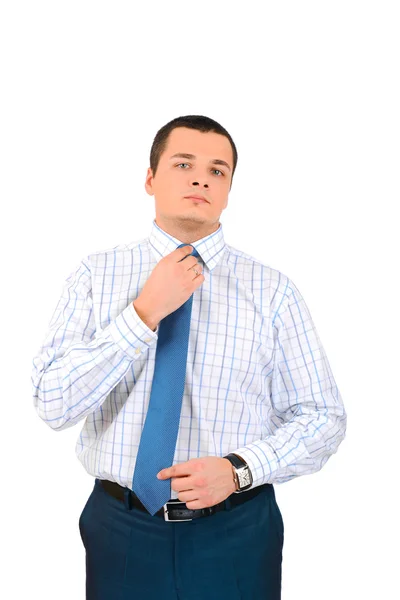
[{"x": 258, "y": 382}]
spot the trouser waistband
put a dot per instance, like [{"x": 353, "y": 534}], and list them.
[{"x": 174, "y": 509}]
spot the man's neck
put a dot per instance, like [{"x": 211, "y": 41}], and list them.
[{"x": 186, "y": 232}]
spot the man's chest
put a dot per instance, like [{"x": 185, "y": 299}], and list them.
[{"x": 230, "y": 326}]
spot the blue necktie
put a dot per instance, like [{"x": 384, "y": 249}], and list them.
[{"x": 160, "y": 431}]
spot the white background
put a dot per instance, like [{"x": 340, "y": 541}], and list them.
[{"x": 309, "y": 92}]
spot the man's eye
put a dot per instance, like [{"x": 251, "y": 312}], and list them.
[{"x": 223, "y": 174}]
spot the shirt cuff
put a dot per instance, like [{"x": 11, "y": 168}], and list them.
[
  {"x": 261, "y": 460},
  {"x": 131, "y": 334}
]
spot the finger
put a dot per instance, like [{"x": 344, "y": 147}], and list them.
[
  {"x": 196, "y": 267},
  {"x": 181, "y": 253},
  {"x": 189, "y": 496},
  {"x": 174, "y": 471},
  {"x": 197, "y": 281},
  {"x": 199, "y": 278},
  {"x": 182, "y": 484},
  {"x": 196, "y": 504},
  {"x": 190, "y": 261}
]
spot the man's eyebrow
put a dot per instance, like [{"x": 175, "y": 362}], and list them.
[{"x": 216, "y": 161}]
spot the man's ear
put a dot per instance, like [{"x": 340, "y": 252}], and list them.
[{"x": 149, "y": 182}]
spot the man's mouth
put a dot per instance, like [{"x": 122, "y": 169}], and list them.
[{"x": 197, "y": 198}]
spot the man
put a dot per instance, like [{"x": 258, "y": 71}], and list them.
[{"x": 202, "y": 382}]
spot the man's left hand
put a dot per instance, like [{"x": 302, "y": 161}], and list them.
[{"x": 201, "y": 482}]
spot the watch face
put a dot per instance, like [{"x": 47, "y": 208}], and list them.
[{"x": 244, "y": 477}]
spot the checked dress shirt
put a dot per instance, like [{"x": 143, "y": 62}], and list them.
[{"x": 258, "y": 382}]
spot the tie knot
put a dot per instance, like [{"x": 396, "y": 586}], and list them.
[{"x": 194, "y": 251}]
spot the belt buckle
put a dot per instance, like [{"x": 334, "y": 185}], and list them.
[{"x": 166, "y": 515}]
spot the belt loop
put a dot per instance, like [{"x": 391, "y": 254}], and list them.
[{"x": 127, "y": 499}]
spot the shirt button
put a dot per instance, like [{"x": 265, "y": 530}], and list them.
[
  {"x": 138, "y": 350},
  {"x": 148, "y": 340}
]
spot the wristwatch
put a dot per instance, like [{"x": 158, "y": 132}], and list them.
[{"x": 243, "y": 476}]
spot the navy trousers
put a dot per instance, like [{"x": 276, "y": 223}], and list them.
[{"x": 235, "y": 554}]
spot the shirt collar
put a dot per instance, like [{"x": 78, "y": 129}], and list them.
[{"x": 210, "y": 248}]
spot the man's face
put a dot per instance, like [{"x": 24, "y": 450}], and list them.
[{"x": 177, "y": 177}]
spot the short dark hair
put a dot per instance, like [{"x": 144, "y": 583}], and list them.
[{"x": 198, "y": 122}]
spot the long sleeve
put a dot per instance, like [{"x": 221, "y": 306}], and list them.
[
  {"x": 76, "y": 367},
  {"x": 308, "y": 416}
]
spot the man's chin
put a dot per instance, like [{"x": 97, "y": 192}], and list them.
[{"x": 189, "y": 218}]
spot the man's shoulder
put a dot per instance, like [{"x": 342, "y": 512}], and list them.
[
  {"x": 269, "y": 273},
  {"x": 116, "y": 251}
]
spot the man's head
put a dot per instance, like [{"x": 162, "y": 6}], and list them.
[{"x": 207, "y": 172}]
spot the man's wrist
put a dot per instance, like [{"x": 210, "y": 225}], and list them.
[
  {"x": 234, "y": 476},
  {"x": 243, "y": 476},
  {"x": 147, "y": 320}
]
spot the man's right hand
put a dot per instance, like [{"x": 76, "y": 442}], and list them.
[{"x": 172, "y": 282}]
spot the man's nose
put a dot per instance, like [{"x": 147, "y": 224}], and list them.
[{"x": 197, "y": 183}]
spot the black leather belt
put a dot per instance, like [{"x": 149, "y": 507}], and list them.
[{"x": 174, "y": 509}]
